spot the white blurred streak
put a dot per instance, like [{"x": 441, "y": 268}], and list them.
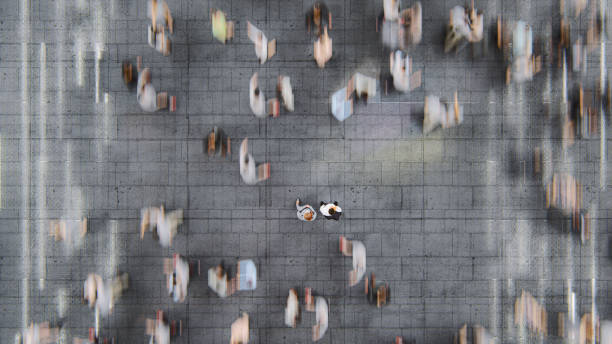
[
  {"x": 42, "y": 169},
  {"x": 602, "y": 150},
  {"x": 59, "y": 13},
  {"x": 25, "y": 162},
  {"x": 79, "y": 47}
]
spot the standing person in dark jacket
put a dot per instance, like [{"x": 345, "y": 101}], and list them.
[{"x": 331, "y": 211}]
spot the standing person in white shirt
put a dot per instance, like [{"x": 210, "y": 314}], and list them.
[
  {"x": 305, "y": 212},
  {"x": 179, "y": 271},
  {"x": 147, "y": 98},
  {"x": 250, "y": 172}
]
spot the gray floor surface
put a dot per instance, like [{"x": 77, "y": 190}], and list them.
[{"x": 454, "y": 221}]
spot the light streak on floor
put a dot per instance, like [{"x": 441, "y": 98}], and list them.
[
  {"x": 59, "y": 13},
  {"x": 79, "y": 49},
  {"x": 25, "y": 163},
  {"x": 42, "y": 169}
]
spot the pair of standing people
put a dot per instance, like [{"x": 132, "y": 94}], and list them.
[{"x": 330, "y": 211}]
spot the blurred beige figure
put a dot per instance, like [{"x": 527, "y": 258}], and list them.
[
  {"x": 103, "y": 294},
  {"x": 323, "y": 49},
  {"x": 481, "y": 336},
  {"x": 589, "y": 329},
  {"x": 322, "y": 315},
  {"x": 165, "y": 224},
  {"x": 240, "y": 330},
  {"x": 358, "y": 251},
  {"x": 464, "y": 24},
  {"x": 263, "y": 49},
  {"x": 516, "y": 42},
  {"x": 159, "y": 13},
  {"x": 145, "y": 94},
  {"x": 68, "y": 230},
  {"x": 40, "y": 334},
  {"x": 529, "y": 313},
  {"x": 411, "y": 30},
  {"x": 292, "y": 311},
  {"x": 250, "y": 172},
  {"x": 437, "y": 113},
  {"x": 401, "y": 70},
  {"x": 285, "y": 92},
  {"x": 576, "y": 5}
]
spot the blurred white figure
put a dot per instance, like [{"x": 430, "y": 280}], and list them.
[
  {"x": 437, "y": 113},
  {"x": 250, "y": 172},
  {"x": 159, "y": 13},
  {"x": 356, "y": 249},
  {"x": 240, "y": 330},
  {"x": 401, "y": 68},
  {"x": 323, "y": 49},
  {"x": 365, "y": 86},
  {"x": 219, "y": 282},
  {"x": 159, "y": 330},
  {"x": 165, "y": 224},
  {"x": 391, "y": 9},
  {"x": 524, "y": 64},
  {"x": 256, "y": 98},
  {"x": 178, "y": 279},
  {"x": 286, "y": 93},
  {"x": 263, "y": 49},
  {"x": 40, "y": 334},
  {"x": 103, "y": 294},
  {"x": 322, "y": 318},
  {"x": 147, "y": 98},
  {"x": 292, "y": 311},
  {"x": 463, "y": 24}
]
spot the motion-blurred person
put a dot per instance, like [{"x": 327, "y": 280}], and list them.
[
  {"x": 356, "y": 249},
  {"x": 322, "y": 50},
  {"x": 70, "y": 231},
  {"x": 160, "y": 329},
  {"x": 250, "y": 172},
  {"x": 516, "y": 41},
  {"x": 147, "y": 98},
  {"x": 331, "y": 211},
  {"x": 317, "y": 16},
  {"x": 322, "y": 318},
  {"x": 219, "y": 282},
  {"x": 218, "y": 143},
  {"x": 391, "y": 10},
  {"x": 178, "y": 272},
  {"x": 365, "y": 86},
  {"x": 589, "y": 329},
  {"x": 481, "y": 336},
  {"x": 377, "y": 294},
  {"x": 257, "y": 100},
  {"x": 240, "y": 330},
  {"x": 564, "y": 193},
  {"x": 411, "y": 29},
  {"x": 284, "y": 91},
  {"x": 165, "y": 224},
  {"x": 292, "y": 311},
  {"x": 159, "y": 13},
  {"x": 129, "y": 74},
  {"x": 92, "y": 339},
  {"x": 40, "y": 334},
  {"x": 103, "y": 294},
  {"x": 263, "y": 49},
  {"x": 529, "y": 313},
  {"x": 437, "y": 113},
  {"x": 463, "y": 25},
  {"x": 222, "y": 29},
  {"x": 401, "y": 69},
  {"x": 305, "y": 212}
]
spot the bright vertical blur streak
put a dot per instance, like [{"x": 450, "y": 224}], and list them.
[
  {"x": 106, "y": 118},
  {"x": 42, "y": 168},
  {"x": 97, "y": 72},
  {"x": 602, "y": 150},
  {"x": 59, "y": 13},
  {"x": 62, "y": 303},
  {"x": 25, "y": 162},
  {"x": 112, "y": 259},
  {"x": 494, "y": 308},
  {"x": 80, "y": 59}
]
